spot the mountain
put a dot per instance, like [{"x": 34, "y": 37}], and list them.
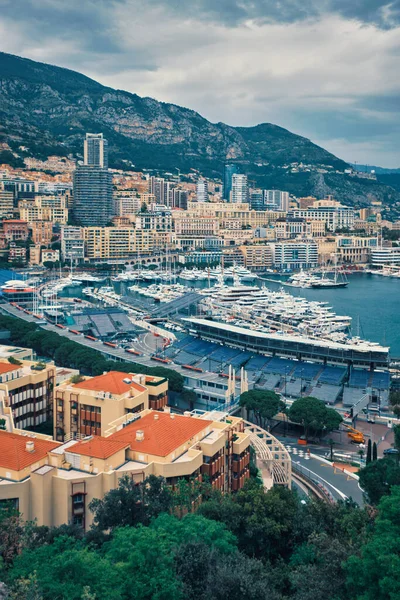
[
  {"x": 46, "y": 110},
  {"x": 377, "y": 170}
]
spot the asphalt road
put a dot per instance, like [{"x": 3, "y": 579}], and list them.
[{"x": 339, "y": 484}]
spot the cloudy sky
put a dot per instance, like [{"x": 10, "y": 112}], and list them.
[{"x": 326, "y": 69}]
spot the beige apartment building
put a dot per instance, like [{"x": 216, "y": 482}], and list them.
[
  {"x": 257, "y": 256},
  {"x": 234, "y": 216},
  {"x": 42, "y": 232},
  {"x": 192, "y": 224},
  {"x": 6, "y": 204},
  {"x": 122, "y": 242},
  {"x": 88, "y": 407},
  {"x": 28, "y": 390},
  {"x": 44, "y": 208},
  {"x": 54, "y": 483}
]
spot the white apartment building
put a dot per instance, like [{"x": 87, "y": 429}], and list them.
[
  {"x": 334, "y": 215},
  {"x": 276, "y": 200},
  {"x": 240, "y": 189},
  {"x": 202, "y": 190},
  {"x": 295, "y": 254},
  {"x": 381, "y": 257},
  {"x": 72, "y": 243}
]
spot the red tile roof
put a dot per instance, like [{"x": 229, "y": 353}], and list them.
[
  {"x": 8, "y": 367},
  {"x": 13, "y": 453},
  {"x": 112, "y": 382},
  {"x": 98, "y": 447},
  {"x": 163, "y": 435}
]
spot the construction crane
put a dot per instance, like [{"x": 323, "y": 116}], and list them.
[{"x": 355, "y": 435}]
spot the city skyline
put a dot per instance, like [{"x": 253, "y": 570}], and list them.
[{"x": 326, "y": 73}]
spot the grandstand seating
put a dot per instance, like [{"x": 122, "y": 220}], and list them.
[
  {"x": 359, "y": 378},
  {"x": 256, "y": 363},
  {"x": 381, "y": 380},
  {"x": 184, "y": 358},
  {"x": 352, "y": 395},
  {"x": 280, "y": 366},
  {"x": 200, "y": 347},
  {"x": 183, "y": 341},
  {"x": 224, "y": 354},
  {"x": 326, "y": 392},
  {"x": 332, "y": 375},
  {"x": 293, "y": 387},
  {"x": 306, "y": 370},
  {"x": 269, "y": 381}
]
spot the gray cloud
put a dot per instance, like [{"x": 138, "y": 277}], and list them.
[{"x": 327, "y": 69}]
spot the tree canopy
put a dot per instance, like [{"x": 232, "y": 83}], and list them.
[
  {"x": 314, "y": 415},
  {"x": 263, "y": 404}
]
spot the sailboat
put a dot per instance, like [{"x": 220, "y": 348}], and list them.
[{"x": 339, "y": 280}]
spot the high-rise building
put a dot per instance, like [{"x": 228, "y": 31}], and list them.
[
  {"x": 178, "y": 199},
  {"x": 257, "y": 199},
  {"x": 276, "y": 200},
  {"x": 229, "y": 171},
  {"x": 95, "y": 149},
  {"x": 240, "y": 192},
  {"x": 161, "y": 189},
  {"x": 202, "y": 190},
  {"x": 93, "y": 200}
]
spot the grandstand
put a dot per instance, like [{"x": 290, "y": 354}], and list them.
[
  {"x": 269, "y": 381},
  {"x": 352, "y": 395},
  {"x": 380, "y": 380},
  {"x": 224, "y": 354},
  {"x": 184, "y": 358},
  {"x": 292, "y": 387},
  {"x": 359, "y": 378},
  {"x": 326, "y": 392},
  {"x": 332, "y": 375},
  {"x": 308, "y": 371},
  {"x": 256, "y": 363},
  {"x": 280, "y": 366},
  {"x": 102, "y": 323}
]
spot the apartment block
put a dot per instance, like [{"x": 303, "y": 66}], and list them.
[
  {"x": 121, "y": 242},
  {"x": 27, "y": 389},
  {"x": 332, "y": 213},
  {"x": 54, "y": 483},
  {"x": 295, "y": 254},
  {"x": 44, "y": 208},
  {"x": 42, "y": 232},
  {"x": 257, "y": 257},
  {"x": 88, "y": 407},
  {"x": 72, "y": 243},
  {"x": 6, "y": 203},
  {"x": 15, "y": 230},
  {"x": 192, "y": 224}
]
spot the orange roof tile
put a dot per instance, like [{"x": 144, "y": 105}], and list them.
[
  {"x": 112, "y": 382},
  {"x": 98, "y": 447},
  {"x": 7, "y": 367},
  {"x": 13, "y": 453},
  {"x": 163, "y": 435}
]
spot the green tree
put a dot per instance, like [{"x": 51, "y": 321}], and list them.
[
  {"x": 369, "y": 452},
  {"x": 131, "y": 503},
  {"x": 313, "y": 415},
  {"x": 377, "y": 478},
  {"x": 373, "y": 574},
  {"x": 263, "y": 404},
  {"x": 396, "y": 430}
]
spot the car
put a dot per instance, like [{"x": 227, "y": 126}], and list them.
[{"x": 390, "y": 451}]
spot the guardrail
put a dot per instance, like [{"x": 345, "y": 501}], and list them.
[{"x": 313, "y": 481}]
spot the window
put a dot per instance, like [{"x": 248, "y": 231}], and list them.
[{"x": 78, "y": 498}]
